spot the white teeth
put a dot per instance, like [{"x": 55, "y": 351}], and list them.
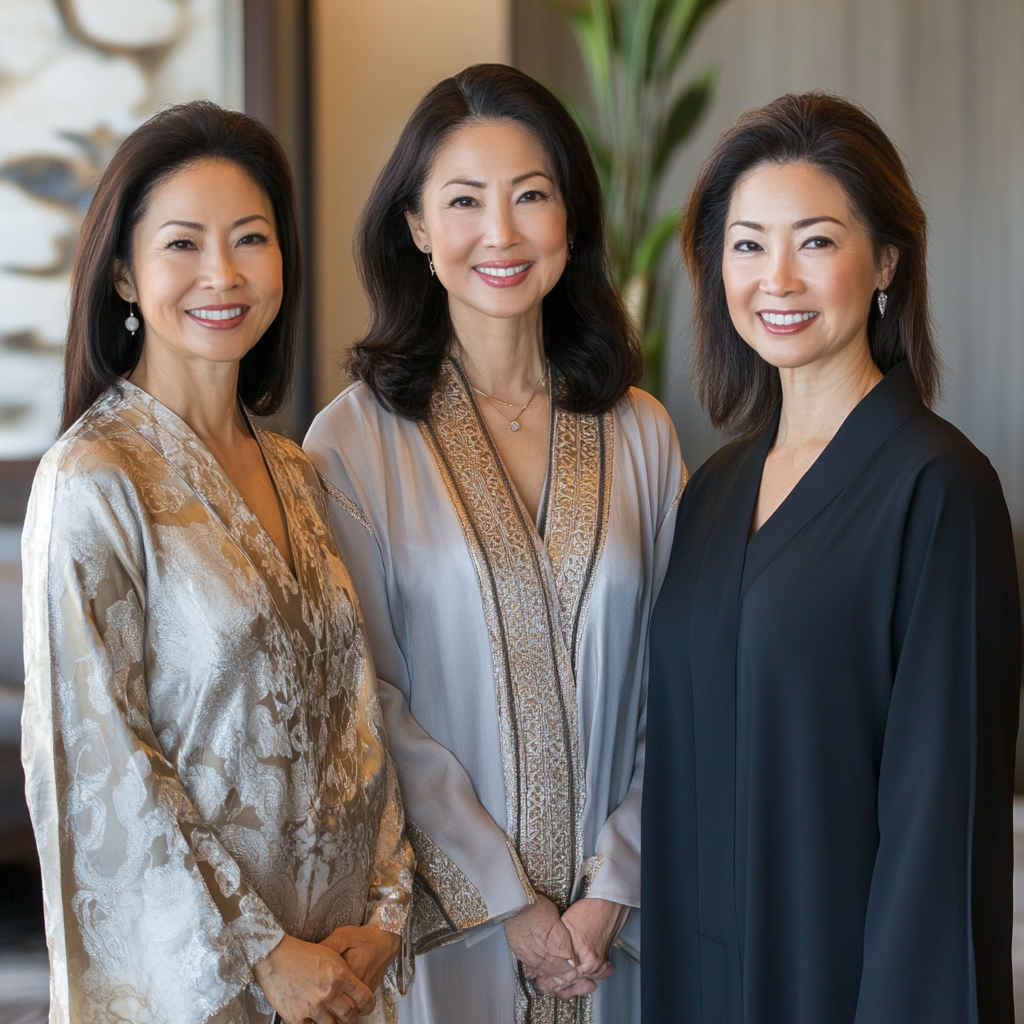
[
  {"x": 217, "y": 314},
  {"x": 784, "y": 319},
  {"x": 503, "y": 271}
]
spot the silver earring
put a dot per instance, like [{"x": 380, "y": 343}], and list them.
[
  {"x": 430, "y": 260},
  {"x": 883, "y": 300},
  {"x": 568, "y": 253},
  {"x": 132, "y": 322}
]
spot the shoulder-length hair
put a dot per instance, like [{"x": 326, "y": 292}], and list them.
[
  {"x": 99, "y": 351},
  {"x": 588, "y": 337},
  {"x": 738, "y": 389}
]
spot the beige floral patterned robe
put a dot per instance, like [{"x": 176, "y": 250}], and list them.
[{"x": 206, "y": 764}]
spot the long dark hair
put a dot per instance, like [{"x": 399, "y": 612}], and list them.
[
  {"x": 99, "y": 350},
  {"x": 587, "y": 336},
  {"x": 738, "y": 389}
]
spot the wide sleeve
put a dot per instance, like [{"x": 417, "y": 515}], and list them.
[
  {"x": 145, "y": 908},
  {"x": 939, "y": 920},
  {"x": 467, "y": 872},
  {"x": 614, "y": 872}
]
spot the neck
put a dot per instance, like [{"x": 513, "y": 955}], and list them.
[
  {"x": 816, "y": 399},
  {"x": 501, "y": 356},
  {"x": 202, "y": 393}
]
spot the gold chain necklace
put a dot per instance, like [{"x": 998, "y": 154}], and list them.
[{"x": 514, "y": 424}]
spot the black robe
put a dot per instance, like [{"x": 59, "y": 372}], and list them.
[{"x": 827, "y": 824}]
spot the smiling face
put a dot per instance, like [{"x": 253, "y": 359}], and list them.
[
  {"x": 493, "y": 221},
  {"x": 799, "y": 267},
  {"x": 206, "y": 269}
]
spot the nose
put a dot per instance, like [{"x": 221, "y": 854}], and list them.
[
  {"x": 220, "y": 273},
  {"x": 779, "y": 279},
  {"x": 501, "y": 230}
]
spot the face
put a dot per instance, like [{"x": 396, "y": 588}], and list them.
[
  {"x": 206, "y": 268},
  {"x": 799, "y": 267},
  {"x": 493, "y": 220}
]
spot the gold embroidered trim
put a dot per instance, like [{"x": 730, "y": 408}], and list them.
[
  {"x": 341, "y": 499},
  {"x": 445, "y": 902},
  {"x": 674, "y": 504},
  {"x": 588, "y": 872},
  {"x": 579, "y": 497},
  {"x": 535, "y": 689}
]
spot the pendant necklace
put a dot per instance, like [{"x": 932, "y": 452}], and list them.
[{"x": 514, "y": 424}]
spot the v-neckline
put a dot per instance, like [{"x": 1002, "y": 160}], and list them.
[{"x": 164, "y": 425}]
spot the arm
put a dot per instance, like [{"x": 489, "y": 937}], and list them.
[
  {"x": 939, "y": 920},
  {"x": 137, "y": 885},
  {"x": 467, "y": 873}
]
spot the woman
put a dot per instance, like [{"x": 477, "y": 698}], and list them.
[
  {"x": 207, "y": 773},
  {"x": 504, "y": 502},
  {"x": 835, "y": 655}
]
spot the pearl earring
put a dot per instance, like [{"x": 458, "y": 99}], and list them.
[
  {"x": 132, "y": 321},
  {"x": 883, "y": 300},
  {"x": 430, "y": 259}
]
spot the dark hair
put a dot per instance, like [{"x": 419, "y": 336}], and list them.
[
  {"x": 738, "y": 389},
  {"x": 587, "y": 336},
  {"x": 99, "y": 350}
]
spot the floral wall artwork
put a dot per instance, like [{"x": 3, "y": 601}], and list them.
[{"x": 76, "y": 76}]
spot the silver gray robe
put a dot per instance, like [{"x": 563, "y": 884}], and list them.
[
  {"x": 206, "y": 765},
  {"x": 513, "y": 667}
]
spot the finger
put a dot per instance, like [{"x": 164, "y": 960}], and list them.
[
  {"x": 580, "y": 987},
  {"x": 356, "y": 992},
  {"x": 343, "y": 1010}
]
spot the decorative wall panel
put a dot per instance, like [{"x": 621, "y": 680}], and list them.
[{"x": 76, "y": 76}]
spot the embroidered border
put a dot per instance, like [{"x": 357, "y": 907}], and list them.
[
  {"x": 535, "y": 689},
  {"x": 342, "y": 500}
]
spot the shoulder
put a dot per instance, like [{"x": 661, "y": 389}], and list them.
[
  {"x": 642, "y": 412},
  {"x": 354, "y": 413}
]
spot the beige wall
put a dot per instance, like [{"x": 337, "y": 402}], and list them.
[{"x": 372, "y": 61}]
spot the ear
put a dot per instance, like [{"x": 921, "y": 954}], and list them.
[
  {"x": 887, "y": 260},
  {"x": 418, "y": 230},
  {"x": 123, "y": 283}
]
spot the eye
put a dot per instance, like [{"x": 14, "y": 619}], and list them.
[
  {"x": 746, "y": 245},
  {"x": 253, "y": 238},
  {"x": 533, "y": 196},
  {"x": 464, "y": 202},
  {"x": 819, "y": 242},
  {"x": 182, "y": 244}
]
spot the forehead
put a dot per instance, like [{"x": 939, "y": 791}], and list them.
[
  {"x": 214, "y": 186},
  {"x": 483, "y": 150},
  {"x": 788, "y": 192}
]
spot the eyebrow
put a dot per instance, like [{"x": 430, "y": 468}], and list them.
[
  {"x": 479, "y": 184},
  {"x": 805, "y": 223},
  {"x": 193, "y": 226}
]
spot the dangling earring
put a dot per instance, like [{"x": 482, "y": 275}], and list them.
[
  {"x": 132, "y": 322},
  {"x": 430, "y": 259},
  {"x": 883, "y": 300},
  {"x": 568, "y": 253}
]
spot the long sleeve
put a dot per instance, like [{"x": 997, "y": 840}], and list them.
[
  {"x": 141, "y": 895},
  {"x": 939, "y": 916},
  {"x": 467, "y": 873}
]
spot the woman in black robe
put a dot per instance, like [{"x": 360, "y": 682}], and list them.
[{"x": 836, "y": 652}]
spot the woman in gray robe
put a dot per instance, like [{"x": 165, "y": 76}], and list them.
[
  {"x": 206, "y": 767},
  {"x": 505, "y": 501}
]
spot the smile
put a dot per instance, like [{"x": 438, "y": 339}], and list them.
[
  {"x": 786, "y": 319},
  {"x": 504, "y": 271},
  {"x": 217, "y": 314}
]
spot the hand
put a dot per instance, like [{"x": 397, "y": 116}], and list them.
[
  {"x": 543, "y": 945},
  {"x": 368, "y": 950},
  {"x": 593, "y": 925},
  {"x": 307, "y": 981}
]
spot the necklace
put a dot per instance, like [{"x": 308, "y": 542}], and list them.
[{"x": 514, "y": 424}]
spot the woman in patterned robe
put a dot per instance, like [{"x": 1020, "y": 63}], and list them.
[
  {"x": 217, "y": 814},
  {"x": 504, "y": 502}
]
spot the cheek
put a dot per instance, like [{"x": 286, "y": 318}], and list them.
[{"x": 740, "y": 281}]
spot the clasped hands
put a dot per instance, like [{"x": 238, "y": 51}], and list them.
[
  {"x": 566, "y": 954},
  {"x": 329, "y": 982}
]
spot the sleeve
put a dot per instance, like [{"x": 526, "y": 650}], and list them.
[
  {"x": 614, "y": 872},
  {"x": 938, "y": 931},
  {"x": 144, "y": 905},
  {"x": 467, "y": 872}
]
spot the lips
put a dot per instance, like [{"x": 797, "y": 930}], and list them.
[
  {"x": 786, "y": 321},
  {"x": 504, "y": 273},
  {"x": 218, "y": 318}
]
